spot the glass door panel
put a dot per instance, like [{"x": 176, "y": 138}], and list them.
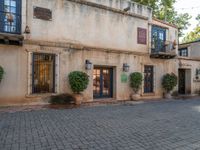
[
  {"x": 96, "y": 81},
  {"x": 102, "y": 82},
  {"x": 148, "y": 79}
]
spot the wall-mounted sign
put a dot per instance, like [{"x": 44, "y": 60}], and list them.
[
  {"x": 142, "y": 36},
  {"x": 42, "y": 13},
  {"x": 124, "y": 78}
]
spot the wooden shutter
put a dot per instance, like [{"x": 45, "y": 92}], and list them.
[
  {"x": 1, "y": 14},
  {"x": 18, "y": 15}
]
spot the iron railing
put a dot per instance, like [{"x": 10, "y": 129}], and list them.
[{"x": 162, "y": 46}]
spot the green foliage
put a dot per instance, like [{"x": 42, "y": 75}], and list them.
[
  {"x": 1, "y": 73},
  {"x": 169, "y": 81},
  {"x": 78, "y": 81},
  {"x": 164, "y": 10},
  {"x": 198, "y": 19},
  {"x": 136, "y": 81},
  {"x": 195, "y": 34},
  {"x": 62, "y": 99}
]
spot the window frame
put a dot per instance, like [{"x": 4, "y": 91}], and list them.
[
  {"x": 17, "y": 15},
  {"x": 183, "y": 52}
]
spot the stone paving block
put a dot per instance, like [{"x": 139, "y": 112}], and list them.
[{"x": 166, "y": 125}]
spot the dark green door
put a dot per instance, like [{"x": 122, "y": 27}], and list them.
[
  {"x": 181, "y": 86},
  {"x": 102, "y": 82}
]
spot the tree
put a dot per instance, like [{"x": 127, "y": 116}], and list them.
[
  {"x": 164, "y": 10},
  {"x": 195, "y": 34},
  {"x": 198, "y": 19}
]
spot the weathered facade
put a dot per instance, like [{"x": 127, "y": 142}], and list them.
[
  {"x": 189, "y": 68},
  {"x": 56, "y": 37}
]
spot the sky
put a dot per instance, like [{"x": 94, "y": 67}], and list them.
[{"x": 189, "y": 6}]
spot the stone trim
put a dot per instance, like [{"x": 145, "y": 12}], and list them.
[
  {"x": 84, "y": 2},
  {"x": 8, "y": 37},
  {"x": 166, "y": 23},
  {"x": 188, "y": 58},
  {"x": 75, "y": 46},
  {"x": 154, "y": 24}
]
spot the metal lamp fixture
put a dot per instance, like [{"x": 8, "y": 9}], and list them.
[
  {"x": 88, "y": 65},
  {"x": 126, "y": 67},
  {"x": 27, "y": 30}
]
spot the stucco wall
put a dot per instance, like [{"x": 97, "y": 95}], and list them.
[
  {"x": 195, "y": 49},
  {"x": 14, "y": 61},
  {"x": 191, "y": 65},
  {"x": 82, "y": 24}
]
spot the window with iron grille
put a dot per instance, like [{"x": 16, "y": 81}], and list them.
[
  {"x": 10, "y": 16},
  {"x": 43, "y": 79}
]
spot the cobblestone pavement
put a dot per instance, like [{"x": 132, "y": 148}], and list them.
[{"x": 167, "y": 125}]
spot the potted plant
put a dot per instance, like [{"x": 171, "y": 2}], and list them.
[
  {"x": 1, "y": 73},
  {"x": 78, "y": 81},
  {"x": 135, "y": 83},
  {"x": 169, "y": 81}
]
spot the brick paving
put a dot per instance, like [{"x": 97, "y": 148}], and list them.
[{"x": 166, "y": 125}]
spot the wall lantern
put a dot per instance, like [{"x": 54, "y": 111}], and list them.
[
  {"x": 88, "y": 65},
  {"x": 27, "y": 30},
  {"x": 126, "y": 67}
]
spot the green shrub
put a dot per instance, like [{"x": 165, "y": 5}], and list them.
[
  {"x": 136, "y": 81},
  {"x": 78, "y": 81},
  {"x": 62, "y": 99},
  {"x": 1, "y": 73},
  {"x": 169, "y": 81}
]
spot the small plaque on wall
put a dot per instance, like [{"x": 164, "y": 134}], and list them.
[
  {"x": 124, "y": 78},
  {"x": 142, "y": 36},
  {"x": 42, "y": 13}
]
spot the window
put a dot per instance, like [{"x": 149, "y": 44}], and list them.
[
  {"x": 10, "y": 16},
  {"x": 43, "y": 80},
  {"x": 183, "y": 52},
  {"x": 158, "y": 39}
]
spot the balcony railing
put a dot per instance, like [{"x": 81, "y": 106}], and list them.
[{"x": 165, "y": 50}]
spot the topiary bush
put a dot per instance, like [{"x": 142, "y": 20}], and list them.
[
  {"x": 169, "y": 81},
  {"x": 1, "y": 73},
  {"x": 62, "y": 99},
  {"x": 136, "y": 81},
  {"x": 78, "y": 81}
]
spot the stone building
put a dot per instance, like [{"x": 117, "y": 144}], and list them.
[
  {"x": 42, "y": 41},
  {"x": 189, "y": 68}
]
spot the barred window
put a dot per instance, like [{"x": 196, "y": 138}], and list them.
[{"x": 10, "y": 16}]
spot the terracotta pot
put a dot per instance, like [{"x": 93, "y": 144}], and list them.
[
  {"x": 135, "y": 97},
  {"x": 78, "y": 99},
  {"x": 167, "y": 95}
]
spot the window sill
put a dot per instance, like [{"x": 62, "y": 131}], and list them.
[
  {"x": 40, "y": 95},
  {"x": 148, "y": 94}
]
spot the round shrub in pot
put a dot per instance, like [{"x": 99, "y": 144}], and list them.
[
  {"x": 78, "y": 82},
  {"x": 135, "y": 83},
  {"x": 169, "y": 81}
]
